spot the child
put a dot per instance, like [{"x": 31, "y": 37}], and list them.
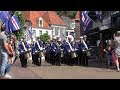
[
  {"x": 11, "y": 57},
  {"x": 108, "y": 51}
]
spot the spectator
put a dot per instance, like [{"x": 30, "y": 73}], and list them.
[
  {"x": 117, "y": 49},
  {"x": 108, "y": 51},
  {"x": 4, "y": 54}
]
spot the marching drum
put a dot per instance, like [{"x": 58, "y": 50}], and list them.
[
  {"x": 87, "y": 52},
  {"x": 61, "y": 53},
  {"x": 27, "y": 55},
  {"x": 42, "y": 55},
  {"x": 73, "y": 54}
]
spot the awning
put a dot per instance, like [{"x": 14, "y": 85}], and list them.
[{"x": 104, "y": 27}]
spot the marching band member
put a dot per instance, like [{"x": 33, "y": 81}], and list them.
[
  {"x": 86, "y": 51},
  {"x": 23, "y": 48},
  {"x": 58, "y": 57},
  {"x": 80, "y": 52},
  {"x": 75, "y": 47},
  {"x": 34, "y": 54},
  {"x": 37, "y": 46},
  {"x": 47, "y": 52},
  {"x": 54, "y": 51},
  {"x": 66, "y": 52}
]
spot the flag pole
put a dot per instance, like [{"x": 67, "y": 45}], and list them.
[
  {"x": 10, "y": 13},
  {"x": 81, "y": 26}
]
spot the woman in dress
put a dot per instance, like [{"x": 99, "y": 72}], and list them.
[{"x": 117, "y": 49}]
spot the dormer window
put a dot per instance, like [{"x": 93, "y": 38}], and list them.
[{"x": 40, "y": 22}]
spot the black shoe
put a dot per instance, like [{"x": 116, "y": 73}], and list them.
[
  {"x": 24, "y": 66},
  {"x": 59, "y": 65}
]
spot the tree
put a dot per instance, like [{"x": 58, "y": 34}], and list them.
[
  {"x": 19, "y": 33},
  {"x": 70, "y": 14},
  {"x": 44, "y": 37}
]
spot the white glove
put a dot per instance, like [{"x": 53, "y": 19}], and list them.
[
  {"x": 41, "y": 48},
  {"x": 76, "y": 49}
]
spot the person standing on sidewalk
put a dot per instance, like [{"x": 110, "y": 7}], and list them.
[
  {"x": 117, "y": 49},
  {"x": 108, "y": 51},
  {"x": 4, "y": 50}
]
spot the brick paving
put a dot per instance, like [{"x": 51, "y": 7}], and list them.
[{"x": 46, "y": 71}]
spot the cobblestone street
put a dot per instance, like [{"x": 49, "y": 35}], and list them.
[{"x": 46, "y": 71}]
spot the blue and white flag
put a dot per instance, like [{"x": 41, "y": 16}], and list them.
[
  {"x": 4, "y": 15},
  {"x": 14, "y": 23},
  {"x": 86, "y": 12},
  {"x": 30, "y": 32},
  {"x": 87, "y": 22}
]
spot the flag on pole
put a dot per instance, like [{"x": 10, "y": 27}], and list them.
[
  {"x": 14, "y": 23},
  {"x": 87, "y": 22},
  {"x": 29, "y": 34},
  {"x": 30, "y": 31},
  {"x": 5, "y": 16},
  {"x": 86, "y": 12}
]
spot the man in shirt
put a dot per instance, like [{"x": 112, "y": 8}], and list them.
[{"x": 4, "y": 52}]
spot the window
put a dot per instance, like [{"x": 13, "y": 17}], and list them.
[
  {"x": 40, "y": 32},
  {"x": 40, "y": 22},
  {"x": 47, "y": 32},
  {"x": 34, "y": 33},
  {"x": 53, "y": 31},
  {"x": 72, "y": 25},
  {"x": 72, "y": 33},
  {"x": 66, "y": 33}
]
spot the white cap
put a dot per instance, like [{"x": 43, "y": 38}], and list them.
[
  {"x": 118, "y": 31},
  {"x": 54, "y": 37},
  {"x": 59, "y": 39},
  {"x": 84, "y": 36},
  {"x": 81, "y": 37}
]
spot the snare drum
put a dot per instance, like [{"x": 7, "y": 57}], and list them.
[
  {"x": 26, "y": 55},
  {"x": 73, "y": 54}
]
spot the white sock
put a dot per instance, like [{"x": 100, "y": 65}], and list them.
[{"x": 118, "y": 67}]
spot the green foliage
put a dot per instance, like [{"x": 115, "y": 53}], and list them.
[
  {"x": 19, "y": 33},
  {"x": 44, "y": 37},
  {"x": 70, "y": 14}
]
